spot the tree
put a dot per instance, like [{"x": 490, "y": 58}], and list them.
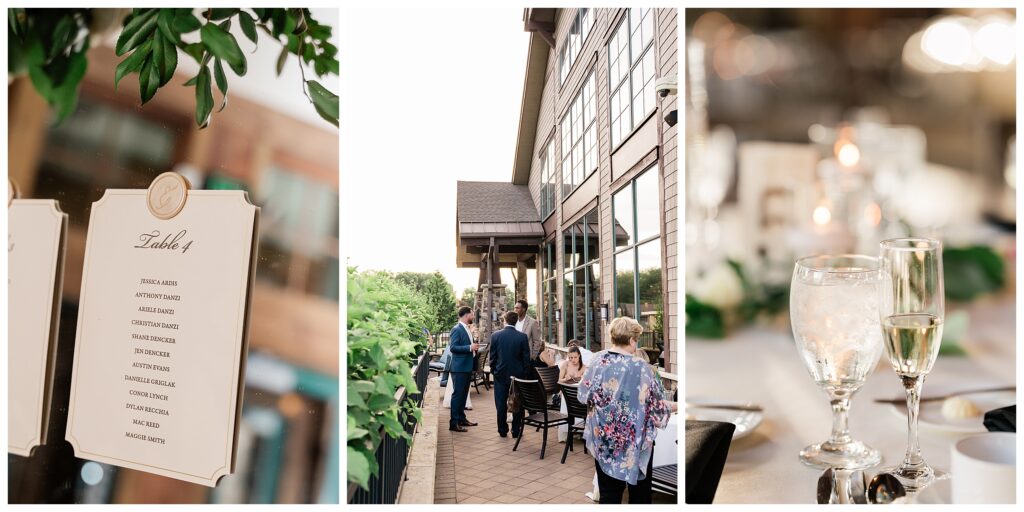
[
  {"x": 468, "y": 297},
  {"x": 439, "y": 295},
  {"x": 50, "y": 45}
]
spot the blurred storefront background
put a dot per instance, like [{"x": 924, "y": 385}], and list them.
[{"x": 288, "y": 447}]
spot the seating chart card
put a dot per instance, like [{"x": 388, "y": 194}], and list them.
[
  {"x": 163, "y": 330},
  {"x": 37, "y": 231}
]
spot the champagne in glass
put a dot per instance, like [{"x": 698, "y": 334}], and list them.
[
  {"x": 834, "y": 312},
  {"x": 912, "y": 308},
  {"x": 912, "y": 342}
]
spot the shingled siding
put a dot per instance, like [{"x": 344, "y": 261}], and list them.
[
  {"x": 668, "y": 64},
  {"x": 556, "y": 100}
]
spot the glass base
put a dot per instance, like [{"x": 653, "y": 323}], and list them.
[
  {"x": 915, "y": 479},
  {"x": 852, "y": 455}
]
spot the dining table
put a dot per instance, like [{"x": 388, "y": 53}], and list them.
[{"x": 760, "y": 364}]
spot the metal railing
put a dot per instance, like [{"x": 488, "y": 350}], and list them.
[{"x": 393, "y": 453}]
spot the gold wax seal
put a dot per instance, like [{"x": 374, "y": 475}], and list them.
[{"x": 167, "y": 194}]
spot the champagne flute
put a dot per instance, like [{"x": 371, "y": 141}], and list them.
[
  {"x": 834, "y": 312},
  {"x": 912, "y": 308}
]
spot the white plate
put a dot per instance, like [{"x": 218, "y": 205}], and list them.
[
  {"x": 745, "y": 421},
  {"x": 931, "y": 412}
]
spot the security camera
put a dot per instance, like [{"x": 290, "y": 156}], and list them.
[{"x": 667, "y": 85}]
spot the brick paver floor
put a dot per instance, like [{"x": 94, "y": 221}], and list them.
[{"x": 480, "y": 467}]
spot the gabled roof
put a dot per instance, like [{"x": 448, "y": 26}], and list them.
[
  {"x": 487, "y": 201},
  {"x": 498, "y": 212}
]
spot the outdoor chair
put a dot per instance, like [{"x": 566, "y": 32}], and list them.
[
  {"x": 665, "y": 480},
  {"x": 549, "y": 379},
  {"x": 577, "y": 411},
  {"x": 480, "y": 373},
  {"x": 533, "y": 400}
]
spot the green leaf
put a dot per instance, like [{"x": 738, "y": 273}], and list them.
[
  {"x": 62, "y": 35},
  {"x": 204, "y": 97},
  {"x": 223, "y": 45},
  {"x": 220, "y": 14},
  {"x": 185, "y": 22},
  {"x": 222, "y": 82},
  {"x": 191, "y": 81},
  {"x": 248, "y": 26},
  {"x": 133, "y": 62},
  {"x": 164, "y": 21},
  {"x": 136, "y": 31},
  {"x": 325, "y": 102},
  {"x": 169, "y": 62},
  {"x": 149, "y": 77},
  {"x": 195, "y": 50},
  {"x": 66, "y": 95},
  {"x": 300, "y": 21},
  {"x": 358, "y": 468},
  {"x": 281, "y": 59},
  {"x": 41, "y": 81},
  {"x": 16, "y": 19}
]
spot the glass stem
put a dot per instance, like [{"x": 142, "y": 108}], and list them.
[
  {"x": 913, "y": 387},
  {"x": 840, "y": 428}
]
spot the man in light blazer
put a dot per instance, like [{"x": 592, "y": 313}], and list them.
[
  {"x": 531, "y": 328},
  {"x": 463, "y": 350}
]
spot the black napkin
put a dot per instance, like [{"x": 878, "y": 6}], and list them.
[
  {"x": 1002, "y": 420},
  {"x": 707, "y": 445}
]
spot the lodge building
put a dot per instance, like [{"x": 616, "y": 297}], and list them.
[{"x": 591, "y": 206}]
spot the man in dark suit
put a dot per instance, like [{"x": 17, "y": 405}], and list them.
[
  {"x": 510, "y": 357},
  {"x": 462, "y": 348}
]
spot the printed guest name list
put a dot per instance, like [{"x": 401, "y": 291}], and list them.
[
  {"x": 150, "y": 384},
  {"x": 162, "y": 334}
]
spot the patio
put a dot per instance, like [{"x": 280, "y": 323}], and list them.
[{"x": 480, "y": 467}]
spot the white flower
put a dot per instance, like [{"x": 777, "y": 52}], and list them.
[{"x": 720, "y": 287}]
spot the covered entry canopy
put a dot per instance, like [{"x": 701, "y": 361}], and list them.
[{"x": 500, "y": 218}]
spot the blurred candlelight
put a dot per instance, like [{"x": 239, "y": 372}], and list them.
[
  {"x": 848, "y": 154},
  {"x": 822, "y": 215}
]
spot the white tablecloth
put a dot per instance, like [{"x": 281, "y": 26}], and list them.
[
  {"x": 761, "y": 365},
  {"x": 447, "y": 404}
]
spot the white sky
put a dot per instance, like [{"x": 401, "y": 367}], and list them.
[{"x": 430, "y": 97}]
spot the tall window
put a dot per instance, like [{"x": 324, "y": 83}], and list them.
[
  {"x": 579, "y": 139},
  {"x": 549, "y": 290},
  {"x": 547, "y": 184},
  {"x": 573, "y": 42},
  {"x": 298, "y": 233},
  {"x": 581, "y": 314},
  {"x": 631, "y": 72},
  {"x": 637, "y": 238}
]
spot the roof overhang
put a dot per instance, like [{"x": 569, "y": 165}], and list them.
[{"x": 540, "y": 23}]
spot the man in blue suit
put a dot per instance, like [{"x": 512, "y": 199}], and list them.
[
  {"x": 510, "y": 357},
  {"x": 463, "y": 348}
]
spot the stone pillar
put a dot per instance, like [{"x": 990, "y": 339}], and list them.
[{"x": 489, "y": 312}]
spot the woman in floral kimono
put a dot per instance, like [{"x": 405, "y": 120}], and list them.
[{"x": 627, "y": 407}]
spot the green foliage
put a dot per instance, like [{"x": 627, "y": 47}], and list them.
[
  {"x": 50, "y": 45},
  {"x": 971, "y": 271},
  {"x": 468, "y": 298},
  {"x": 385, "y": 321},
  {"x": 439, "y": 295},
  {"x": 703, "y": 320}
]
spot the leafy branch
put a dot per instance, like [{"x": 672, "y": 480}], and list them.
[{"x": 49, "y": 44}]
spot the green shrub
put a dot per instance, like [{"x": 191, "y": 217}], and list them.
[{"x": 385, "y": 322}]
